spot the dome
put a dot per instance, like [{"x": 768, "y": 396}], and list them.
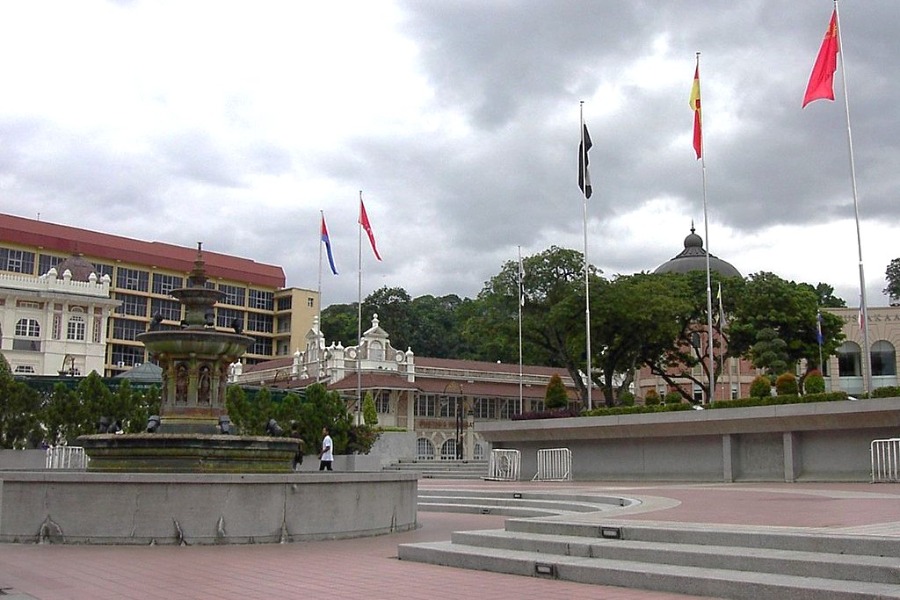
[
  {"x": 693, "y": 258},
  {"x": 78, "y": 266}
]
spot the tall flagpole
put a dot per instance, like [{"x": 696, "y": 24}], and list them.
[
  {"x": 319, "y": 292},
  {"x": 867, "y": 358},
  {"x": 359, "y": 317},
  {"x": 521, "y": 302},
  {"x": 712, "y": 361},
  {"x": 587, "y": 294}
]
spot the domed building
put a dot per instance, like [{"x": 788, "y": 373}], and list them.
[{"x": 693, "y": 258}]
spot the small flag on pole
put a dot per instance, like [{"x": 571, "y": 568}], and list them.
[
  {"x": 821, "y": 80},
  {"x": 695, "y": 106},
  {"x": 819, "y": 337},
  {"x": 584, "y": 174},
  {"x": 521, "y": 282},
  {"x": 722, "y": 322},
  {"x": 364, "y": 221},
  {"x": 327, "y": 242}
]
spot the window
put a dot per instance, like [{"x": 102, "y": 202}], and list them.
[
  {"x": 28, "y": 328},
  {"x": 449, "y": 405},
  {"x": 479, "y": 451},
  {"x": 24, "y": 369},
  {"x": 849, "y": 360},
  {"x": 258, "y": 322},
  {"x": 448, "y": 450},
  {"x": 234, "y": 295},
  {"x": 425, "y": 405},
  {"x": 127, "y": 329},
  {"x": 424, "y": 449},
  {"x": 132, "y": 279},
  {"x": 100, "y": 269},
  {"x": 127, "y": 356},
  {"x": 310, "y": 302},
  {"x": 262, "y": 300},
  {"x": 76, "y": 328},
  {"x": 225, "y": 317},
  {"x": 16, "y": 261},
  {"x": 376, "y": 351},
  {"x": 485, "y": 408},
  {"x": 284, "y": 303},
  {"x": 383, "y": 402},
  {"x": 164, "y": 284},
  {"x": 262, "y": 346},
  {"x": 884, "y": 359},
  {"x": 170, "y": 310},
  {"x": 131, "y": 305},
  {"x": 284, "y": 324},
  {"x": 28, "y": 332},
  {"x": 47, "y": 262}
]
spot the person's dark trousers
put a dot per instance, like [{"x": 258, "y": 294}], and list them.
[{"x": 325, "y": 465}]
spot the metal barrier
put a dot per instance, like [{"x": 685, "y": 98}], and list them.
[
  {"x": 504, "y": 465},
  {"x": 66, "y": 457},
  {"x": 885, "y": 460},
  {"x": 554, "y": 464}
]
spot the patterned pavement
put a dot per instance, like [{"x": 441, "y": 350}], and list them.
[{"x": 368, "y": 568}]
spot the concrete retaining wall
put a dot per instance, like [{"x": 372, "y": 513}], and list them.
[
  {"x": 102, "y": 508},
  {"x": 14, "y": 460},
  {"x": 827, "y": 441}
]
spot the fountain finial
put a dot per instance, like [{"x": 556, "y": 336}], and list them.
[{"x": 197, "y": 278}]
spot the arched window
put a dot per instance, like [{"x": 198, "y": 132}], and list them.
[
  {"x": 28, "y": 328},
  {"x": 376, "y": 351},
  {"x": 76, "y": 328},
  {"x": 448, "y": 450},
  {"x": 479, "y": 451},
  {"x": 849, "y": 360},
  {"x": 424, "y": 449},
  {"x": 884, "y": 359}
]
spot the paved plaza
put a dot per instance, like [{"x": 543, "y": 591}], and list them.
[{"x": 368, "y": 568}]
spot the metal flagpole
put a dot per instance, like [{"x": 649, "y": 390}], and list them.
[
  {"x": 587, "y": 294},
  {"x": 319, "y": 291},
  {"x": 712, "y": 363},
  {"x": 359, "y": 317},
  {"x": 521, "y": 302},
  {"x": 867, "y": 358}
]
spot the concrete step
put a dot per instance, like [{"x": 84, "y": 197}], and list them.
[
  {"x": 529, "y": 504},
  {"x": 879, "y": 569},
  {"x": 697, "y": 581}
]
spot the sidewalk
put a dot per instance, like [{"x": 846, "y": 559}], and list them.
[{"x": 368, "y": 568}]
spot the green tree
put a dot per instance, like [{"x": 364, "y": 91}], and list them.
[
  {"x": 556, "y": 396},
  {"x": 19, "y": 406},
  {"x": 892, "y": 276},
  {"x": 370, "y": 415},
  {"x": 340, "y": 324},
  {"x": 393, "y": 307},
  {"x": 768, "y": 302},
  {"x": 769, "y": 352}
]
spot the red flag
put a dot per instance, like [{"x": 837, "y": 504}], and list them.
[
  {"x": 821, "y": 80},
  {"x": 695, "y": 106},
  {"x": 364, "y": 221}
]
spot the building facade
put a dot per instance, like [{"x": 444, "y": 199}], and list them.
[
  {"x": 439, "y": 399},
  {"x": 141, "y": 274}
]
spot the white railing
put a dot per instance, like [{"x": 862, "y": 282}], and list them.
[
  {"x": 554, "y": 464},
  {"x": 504, "y": 465},
  {"x": 66, "y": 457},
  {"x": 885, "y": 460}
]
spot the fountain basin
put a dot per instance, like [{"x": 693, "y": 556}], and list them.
[{"x": 188, "y": 453}]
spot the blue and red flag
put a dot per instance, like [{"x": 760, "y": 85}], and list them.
[{"x": 328, "y": 245}]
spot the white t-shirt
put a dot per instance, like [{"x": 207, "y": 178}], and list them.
[{"x": 327, "y": 448}]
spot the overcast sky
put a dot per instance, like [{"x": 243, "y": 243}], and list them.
[{"x": 235, "y": 123}]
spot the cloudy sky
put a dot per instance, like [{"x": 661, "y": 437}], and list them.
[{"x": 235, "y": 123}]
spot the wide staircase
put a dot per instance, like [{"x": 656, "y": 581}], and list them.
[
  {"x": 580, "y": 543},
  {"x": 442, "y": 469}
]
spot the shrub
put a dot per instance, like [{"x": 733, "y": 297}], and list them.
[
  {"x": 651, "y": 398},
  {"x": 370, "y": 413},
  {"x": 673, "y": 398},
  {"x": 556, "y": 396},
  {"x": 891, "y": 391},
  {"x": 786, "y": 385},
  {"x": 814, "y": 383},
  {"x": 761, "y": 387},
  {"x": 626, "y": 399}
]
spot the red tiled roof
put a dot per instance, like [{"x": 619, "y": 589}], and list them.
[{"x": 107, "y": 247}]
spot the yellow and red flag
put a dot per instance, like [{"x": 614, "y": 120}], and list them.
[
  {"x": 821, "y": 80},
  {"x": 695, "y": 106}
]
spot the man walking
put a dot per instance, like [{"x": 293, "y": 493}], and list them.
[{"x": 326, "y": 456}]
